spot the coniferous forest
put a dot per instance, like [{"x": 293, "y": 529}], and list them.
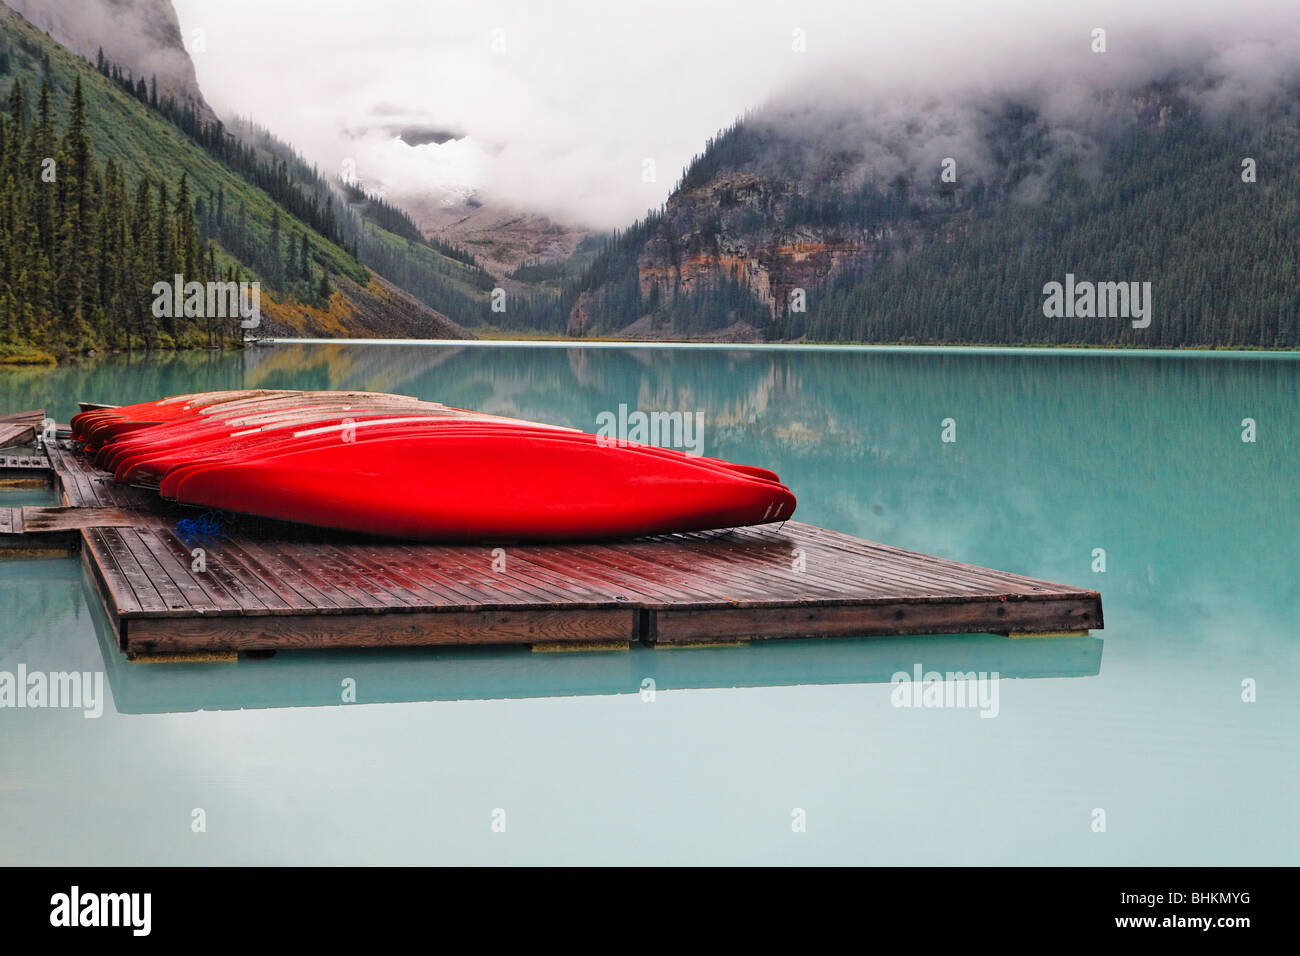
[
  {"x": 108, "y": 187},
  {"x": 80, "y": 250}
]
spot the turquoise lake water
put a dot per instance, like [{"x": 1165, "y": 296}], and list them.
[{"x": 1056, "y": 455}]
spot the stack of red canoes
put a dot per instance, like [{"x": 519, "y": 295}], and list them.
[{"x": 396, "y": 466}]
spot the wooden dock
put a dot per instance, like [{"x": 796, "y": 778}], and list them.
[
  {"x": 20, "y": 428},
  {"x": 25, "y": 466},
  {"x": 174, "y": 583}
]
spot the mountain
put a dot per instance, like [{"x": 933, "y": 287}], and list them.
[
  {"x": 142, "y": 36},
  {"x": 846, "y": 212},
  {"x": 501, "y": 238},
  {"x": 144, "y": 185}
]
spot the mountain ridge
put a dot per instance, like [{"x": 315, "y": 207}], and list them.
[{"x": 770, "y": 217}]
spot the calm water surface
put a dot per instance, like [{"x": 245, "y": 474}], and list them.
[{"x": 1056, "y": 455}]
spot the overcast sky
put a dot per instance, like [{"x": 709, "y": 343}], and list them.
[{"x": 559, "y": 102}]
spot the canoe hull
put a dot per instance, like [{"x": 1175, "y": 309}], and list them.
[{"x": 486, "y": 488}]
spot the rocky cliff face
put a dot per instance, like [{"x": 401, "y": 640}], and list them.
[
  {"x": 142, "y": 36},
  {"x": 747, "y": 245},
  {"x": 765, "y": 231}
]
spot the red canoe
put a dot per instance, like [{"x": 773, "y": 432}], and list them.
[
  {"x": 396, "y": 466},
  {"x": 494, "y": 485}
]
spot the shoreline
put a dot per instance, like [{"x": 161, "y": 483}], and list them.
[
  {"x": 1098, "y": 350},
  {"x": 35, "y": 357}
]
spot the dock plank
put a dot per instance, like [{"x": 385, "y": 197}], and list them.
[
  {"x": 11, "y": 435},
  {"x": 37, "y": 520},
  {"x": 215, "y": 595},
  {"x": 237, "y": 571},
  {"x": 886, "y": 618},
  {"x": 340, "y": 568},
  {"x": 178, "y": 565},
  {"x": 114, "y": 589},
  {"x": 301, "y": 576},
  {"x": 33, "y": 416},
  {"x": 544, "y": 585},
  {"x": 466, "y": 571},
  {"x": 272, "y": 576},
  {"x": 419, "y": 629},
  {"x": 139, "y": 591}
]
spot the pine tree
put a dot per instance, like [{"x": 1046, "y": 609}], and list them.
[
  {"x": 144, "y": 244},
  {"x": 274, "y": 258},
  {"x": 291, "y": 257},
  {"x": 241, "y": 232},
  {"x": 187, "y": 237},
  {"x": 17, "y": 107},
  {"x": 44, "y": 194}
]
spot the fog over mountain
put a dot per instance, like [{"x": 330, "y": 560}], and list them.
[
  {"x": 141, "y": 36},
  {"x": 905, "y": 124},
  {"x": 555, "y": 107}
]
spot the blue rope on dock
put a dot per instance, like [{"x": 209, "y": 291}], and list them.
[{"x": 204, "y": 525}]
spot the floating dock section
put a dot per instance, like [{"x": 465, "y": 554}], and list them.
[
  {"x": 175, "y": 582},
  {"x": 19, "y": 428}
]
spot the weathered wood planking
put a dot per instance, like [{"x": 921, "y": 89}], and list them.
[
  {"x": 37, "y": 520},
  {"x": 258, "y": 585},
  {"x": 24, "y": 464},
  {"x": 20, "y": 428},
  {"x": 11, "y": 435},
  {"x": 43, "y": 530},
  {"x": 417, "y": 629},
  {"x": 34, "y": 416}
]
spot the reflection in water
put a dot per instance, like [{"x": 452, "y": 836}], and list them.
[
  {"x": 1056, "y": 456},
  {"x": 316, "y": 678}
]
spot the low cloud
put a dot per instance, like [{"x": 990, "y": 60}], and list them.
[
  {"x": 557, "y": 106},
  {"x": 143, "y": 33}
]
